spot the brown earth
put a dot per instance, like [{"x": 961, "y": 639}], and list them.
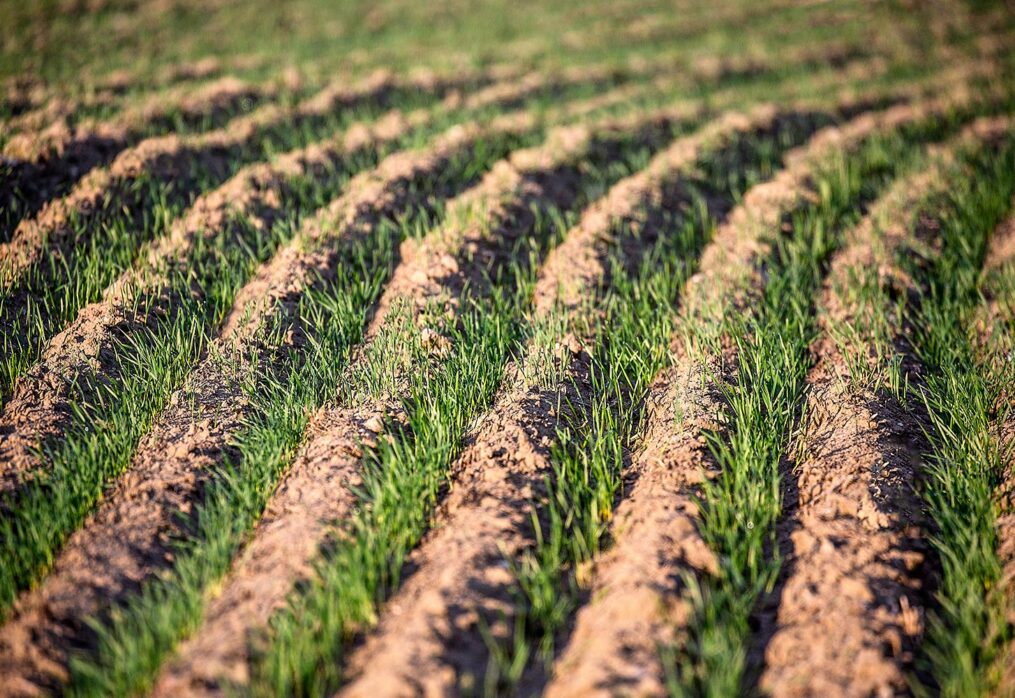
[
  {"x": 23, "y": 92},
  {"x": 847, "y": 611},
  {"x": 37, "y": 99},
  {"x": 316, "y": 491},
  {"x": 54, "y": 110}
]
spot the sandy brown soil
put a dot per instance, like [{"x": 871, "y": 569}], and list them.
[
  {"x": 23, "y": 92},
  {"x": 126, "y": 540},
  {"x": 574, "y": 268},
  {"x": 712, "y": 72},
  {"x": 54, "y": 110},
  {"x": 121, "y": 81},
  {"x": 55, "y": 115},
  {"x": 316, "y": 491},
  {"x": 1002, "y": 247}
]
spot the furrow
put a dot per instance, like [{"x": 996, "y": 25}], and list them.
[
  {"x": 634, "y": 606},
  {"x": 188, "y": 106},
  {"x": 483, "y": 228},
  {"x": 56, "y": 110},
  {"x": 36, "y": 264},
  {"x": 635, "y": 603},
  {"x": 703, "y": 74},
  {"x": 512, "y": 93},
  {"x": 297, "y": 660},
  {"x": 129, "y": 537},
  {"x": 765, "y": 396},
  {"x": 993, "y": 333},
  {"x": 254, "y": 198},
  {"x": 431, "y": 638},
  {"x": 22, "y": 93},
  {"x": 66, "y": 239},
  {"x": 852, "y": 592},
  {"x": 639, "y": 601},
  {"x": 209, "y": 106},
  {"x": 40, "y": 165}
]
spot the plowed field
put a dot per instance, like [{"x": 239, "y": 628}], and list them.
[{"x": 627, "y": 348}]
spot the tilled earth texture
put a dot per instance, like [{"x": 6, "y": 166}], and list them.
[{"x": 507, "y": 348}]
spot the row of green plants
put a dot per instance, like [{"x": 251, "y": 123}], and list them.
[{"x": 968, "y": 633}]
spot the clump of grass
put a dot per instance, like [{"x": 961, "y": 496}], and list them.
[{"x": 968, "y": 633}]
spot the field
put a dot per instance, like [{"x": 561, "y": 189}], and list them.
[{"x": 612, "y": 348}]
